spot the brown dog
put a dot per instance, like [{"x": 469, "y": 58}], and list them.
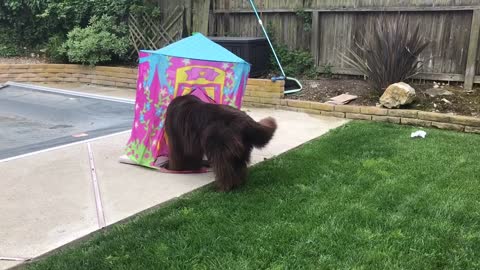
[{"x": 225, "y": 135}]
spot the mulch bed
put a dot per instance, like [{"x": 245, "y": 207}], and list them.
[
  {"x": 22, "y": 60},
  {"x": 461, "y": 102}
]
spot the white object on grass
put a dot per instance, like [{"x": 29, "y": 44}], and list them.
[{"x": 419, "y": 134}]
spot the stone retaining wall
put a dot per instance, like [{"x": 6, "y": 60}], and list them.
[
  {"x": 259, "y": 93},
  {"x": 397, "y": 116},
  {"x": 59, "y": 73},
  {"x": 263, "y": 93}
]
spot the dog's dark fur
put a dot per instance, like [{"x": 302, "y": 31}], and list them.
[{"x": 225, "y": 135}]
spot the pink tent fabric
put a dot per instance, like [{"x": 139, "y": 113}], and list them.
[{"x": 162, "y": 77}]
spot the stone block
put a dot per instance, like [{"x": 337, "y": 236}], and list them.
[
  {"x": 465, "y": 120},
  {"x": 438, "y": 117},
  {"x": 403, "y": 113},
  {"x": 472, "y": 129},
  {"x": 415, "y": 122},
  {"x": 299, "y": 103},
  {"x": 358, "y": 116},
  {"x": 388, "y": 119},
  {"x": 322, "y": 106},
  {"x": 347, "y": 108},
  {"x": 373, "y": 111},
  {"x": 333, "y": 114},
  {"x": 273, "y": 101},
  {"x": 448, "y": 126}
]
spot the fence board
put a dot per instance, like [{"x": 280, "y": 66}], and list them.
[
  {"x": 472, "y": 50},
  {"x": 294, "y": 4},
  {"x": 200, "y": 16},
  {"x": 449, "y": 40},
  {"x": 287, "y": 28},
  {"x": 445, "y": 23}
]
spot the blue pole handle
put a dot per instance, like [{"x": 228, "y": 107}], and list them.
[
  {"x": 278, "y": 78},
  {"x": 266, "y": 35}
]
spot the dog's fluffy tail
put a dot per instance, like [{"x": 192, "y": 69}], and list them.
[{"x": 261, "y": 132}]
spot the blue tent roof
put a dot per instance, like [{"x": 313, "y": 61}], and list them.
[{"x": 198, "y": 47}]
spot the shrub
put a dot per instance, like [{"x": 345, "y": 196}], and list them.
[
  {"x": 327, "y": 70},
  {"x": 27, "y": 28},
  {"x": 6, "y": 50},
  {"x": 101, "y": 41},
  {"x": 389, "y": 53},
  {"x": 7, "y": 44},
  {"x": 306, "y": 18},
  {"x": 295, "y": 62},
  {"x": 32, "y": 23},
  {"x": 55, "y": 51}
]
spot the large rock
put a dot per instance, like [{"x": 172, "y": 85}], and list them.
[{"x": 397, "y": 94}]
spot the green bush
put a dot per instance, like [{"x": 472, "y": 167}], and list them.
[
  {"x": 55, "y": 51},
  {"x": 32, "y": 24},
  {"x": 9, "y": 51},
  {"x": 26, "y": 28},
  {"x": 101, "y": 41},
  {"x": 295, "y": 63},
  {"x": 327, "y": 70},
  {"x": 8, "y": 48},
  {"x": 306, "y": 18}
]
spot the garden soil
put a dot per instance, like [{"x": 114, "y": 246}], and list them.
[{"x": 461, "y": 102}]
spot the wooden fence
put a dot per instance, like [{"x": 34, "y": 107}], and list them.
[
  {"x": 329, "y": 27},
  {"x": 147, "y": 32},
  {"x": 197, "y": 13}
]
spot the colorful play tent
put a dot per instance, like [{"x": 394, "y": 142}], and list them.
[{"x": 194, "y": 65}]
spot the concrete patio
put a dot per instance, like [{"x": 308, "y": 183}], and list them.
[{"x": 51, "y": 198}]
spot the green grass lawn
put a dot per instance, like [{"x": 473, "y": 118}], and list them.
[{"x": 365, "y": 196}]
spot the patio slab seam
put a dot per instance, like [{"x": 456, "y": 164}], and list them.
[{"x": 96, "y": 189}]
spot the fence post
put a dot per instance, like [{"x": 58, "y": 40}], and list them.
[
  {"x": 472, "y": 50},
  {"x": 188, "y": 16},
  {"x": 315, "y": 41},
  {"x": 201, "y": 11}
]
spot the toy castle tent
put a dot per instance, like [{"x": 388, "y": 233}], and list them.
[{"x": 193, "y": 65}]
